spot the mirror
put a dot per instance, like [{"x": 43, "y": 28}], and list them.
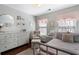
[{"x": 6, "y": 20}]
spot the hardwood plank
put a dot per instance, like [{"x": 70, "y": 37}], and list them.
[{"x": 16, "y": 50}]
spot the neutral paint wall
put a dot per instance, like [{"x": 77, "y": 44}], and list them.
[
  {"x": 51, "y": 19},
  {"x": 53, "y": 16},
  {"x": 16, "y": 37},
  {"x": 13, "y": 12}
]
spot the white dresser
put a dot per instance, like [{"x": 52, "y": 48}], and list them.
[{"x": 12, "y": 40}]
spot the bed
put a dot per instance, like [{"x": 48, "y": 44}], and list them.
[{"x": 72, "y": 47}]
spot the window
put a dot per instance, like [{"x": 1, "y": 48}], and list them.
[
  {"x": 42, "y": 26},
  {"x": 65, "y": 25}
]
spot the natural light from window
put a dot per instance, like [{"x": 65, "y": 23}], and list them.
[
  {"x": 66, "y": 25},
  {"x": 42, "y": 26}
]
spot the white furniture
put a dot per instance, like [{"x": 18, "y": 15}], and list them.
[
  {"x": 34, "y": 44},
  {"x": 12, "y": 40},
  {"x": 35, "y": 41},
  {"x": 22, "y": 38}
]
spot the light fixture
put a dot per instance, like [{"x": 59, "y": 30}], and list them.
[
  {"x": 49, "y": 9},
  {"x": 36, "y": 5}
]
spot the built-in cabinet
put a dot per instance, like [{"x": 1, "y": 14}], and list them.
[
  {"x": 12, "y": 40},
  {"x": 22, "y": 38}
]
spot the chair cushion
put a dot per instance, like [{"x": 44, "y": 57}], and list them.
[{"x": 46, "y": 39}]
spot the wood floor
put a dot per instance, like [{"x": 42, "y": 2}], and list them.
[{"x": 16, "y": 50}]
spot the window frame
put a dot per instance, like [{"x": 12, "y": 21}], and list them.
[{"x": 65, "y": 26}]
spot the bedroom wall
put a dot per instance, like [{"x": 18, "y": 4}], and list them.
[
  {"x": 51, "y": 20},
  {"x": 14, "y": 13},
  {"x": 17, "y": 36},
  {"x": 72, "y": 12}
]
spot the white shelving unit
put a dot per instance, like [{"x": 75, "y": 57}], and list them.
[{"x": 12, "y": 40}]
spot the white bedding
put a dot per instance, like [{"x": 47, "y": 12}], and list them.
[{"x": 60, "y": 44}]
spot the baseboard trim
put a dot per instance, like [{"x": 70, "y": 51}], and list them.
[{"x": 15, "y": 50}]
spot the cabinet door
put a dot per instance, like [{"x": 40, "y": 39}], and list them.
[
  {"x": 27, "y": 37},
  {"x": 19, "y": 39},
  {"x": 22, "y": 39},
  {"x": 2, "y": 43},
  {"x": 11, "y": 41},
  {"x": 7, "y": 41}
]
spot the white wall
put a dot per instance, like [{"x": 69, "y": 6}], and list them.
[
  {"x": 16, "y": 37},
  {"x": 54, "y": 16},
  {"x": 28, "y": 18}
]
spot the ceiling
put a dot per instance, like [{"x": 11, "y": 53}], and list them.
[{"x": 36, "y": 9}]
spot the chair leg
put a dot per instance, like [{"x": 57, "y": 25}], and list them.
[
  {"x": 33, "y": 49},
  {"x": 56, "y": 52},
  {"x": 0, "y": 53}
]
